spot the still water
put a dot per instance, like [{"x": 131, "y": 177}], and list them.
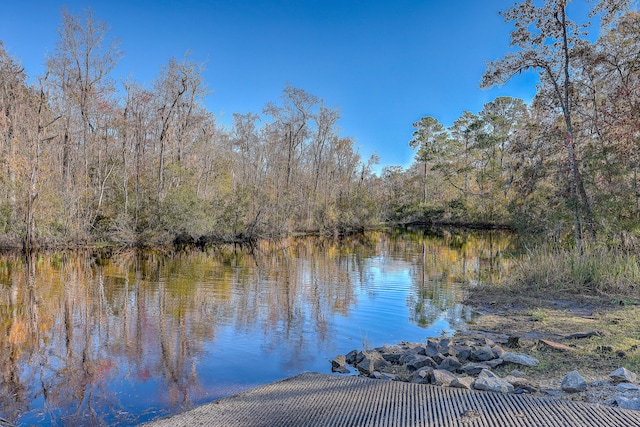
[{"x": 89, "y": 339}]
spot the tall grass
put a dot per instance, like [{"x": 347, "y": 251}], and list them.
[{"x": 599, "y": 270}]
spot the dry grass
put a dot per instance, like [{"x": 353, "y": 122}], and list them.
[
  {"x": 554, "y": 292},
  {"x": 599, "y": 271}
]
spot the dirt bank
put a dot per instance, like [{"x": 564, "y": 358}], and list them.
[{"x": 591, "y": 334}]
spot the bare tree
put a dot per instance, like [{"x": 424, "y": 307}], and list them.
[{"x": 79, "y": 71}]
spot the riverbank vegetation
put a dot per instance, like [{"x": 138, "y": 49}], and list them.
[{"x": 87, "y": 158}]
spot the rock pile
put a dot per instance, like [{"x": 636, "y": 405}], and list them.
[
  {"x": 464, "y": 364},
  {"x": 469, "y": 364}
]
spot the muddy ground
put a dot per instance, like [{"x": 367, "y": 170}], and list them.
[{"x": 591, "y": 334}]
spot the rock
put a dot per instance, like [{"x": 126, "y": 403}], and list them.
[
  {"x": 622, "y": 375},
  {"x": 417, "y": 361},
  {"x": 416, "y": 349},
  {"x": 450, "y": 364},
  {"x": 627, "y": 387},
  {"x": 481, "y": 354},
  {"x": 517, "y": 373},
  {"x": 392, "y": 357},
  {"x": 444, "y": 343},
  {"x": 520, "y": 359},
  {"x": 360, "y": 356},
  {"x": 489, "y": 381},
  {"x": 473, "y": 368},
  {"x": 371, "y": 361},
  {"x": 624, "y": 403},
  {"x": 463, "y": 382},
  {"x": 439, "y": 358},
  {"x": 516, "y": 381},
  {"x": 494, "y": 363},
  {"x": 489, "y": 342},
  {"x": 443, "y": 378},
  {"x": 384, "y": 376},
  {"x": 422, "y": 376},
  {"x": 461, "y": 352},
  {"x": 338, "y": 364},
  {"x": 573, "y": 382},
  {"x": 338, "y": 361},
  {"x": 391, "y": 354},
  {"x": 351, "y": 357},
  {"x": 433, "y": 348},
  {"x": 497, "y": 351}
]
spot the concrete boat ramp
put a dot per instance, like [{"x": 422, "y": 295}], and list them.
[{"x": 312, "y": 399}]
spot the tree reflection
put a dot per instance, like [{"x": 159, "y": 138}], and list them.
[
  {"x": 82, "y": 333},
  {"x": 443, "y": 261}
]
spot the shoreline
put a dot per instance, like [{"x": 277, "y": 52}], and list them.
[{"x": 560, "y": 336}]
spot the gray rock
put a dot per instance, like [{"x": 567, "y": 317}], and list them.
[
  {"x": 624, "y": 403},
  {"x": 517, "y": 373},
  {"x": 627, "y": 387},
  {"x": 444, "y": 343},
  {"x": 497, "y": 351},
  {"x": 481, "y": 354},
  {"x": 573, "y": 382},
  {"x": 622, "y": 375},
  {"x": 339, "y": 361},
  {"x": 520, "y": 359},
  {"x": 422, "y": 376},
  {"x": 416, "y": 349},
  {"x": 391, "y": 353},
  {"x": 463, "y": 382},
  {"x": 443, "y": 378},
  {"x": 433, "y": 348},
  {"x": 439, "y": 358},
  {"x": 417, "y": 361},
  {"x": 489, "y": 342},
  {"x": 473, "y": 368},
  {"x": 351, "y": 357},
  {"x": 338, "y": 364},
  {"x": 461, "y": 352},
  {"x": 392, "y": 357},
  {"x": 384, "y": 376},
  {"x": 494, "y": 363},
  {"x": 516, "y": 381},
  {"x": 450, "y": 364},
  {"x": 489, "y": 381},
  {"x": 371, "y": 361},
  {"x": 387, "y": 349}
]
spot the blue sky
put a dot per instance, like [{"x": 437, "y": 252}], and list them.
[{"x": 384, "y": 64}]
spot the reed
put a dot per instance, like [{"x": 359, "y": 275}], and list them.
[{"x": 599, "y": 270}]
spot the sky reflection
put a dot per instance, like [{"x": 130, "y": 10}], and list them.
[{"x": 116, "y": 340}]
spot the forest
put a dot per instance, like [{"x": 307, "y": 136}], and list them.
[{"x": 87, "y": 159}]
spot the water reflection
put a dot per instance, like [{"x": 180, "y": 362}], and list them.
[{"x": 90, "y": 339}]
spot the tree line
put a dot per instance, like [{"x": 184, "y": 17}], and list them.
[
  {"x": 565, "y": 165},
  {"x": 86, "y": 158}
]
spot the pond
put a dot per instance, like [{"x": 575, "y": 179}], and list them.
[{"x": 90, "y": 339}]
